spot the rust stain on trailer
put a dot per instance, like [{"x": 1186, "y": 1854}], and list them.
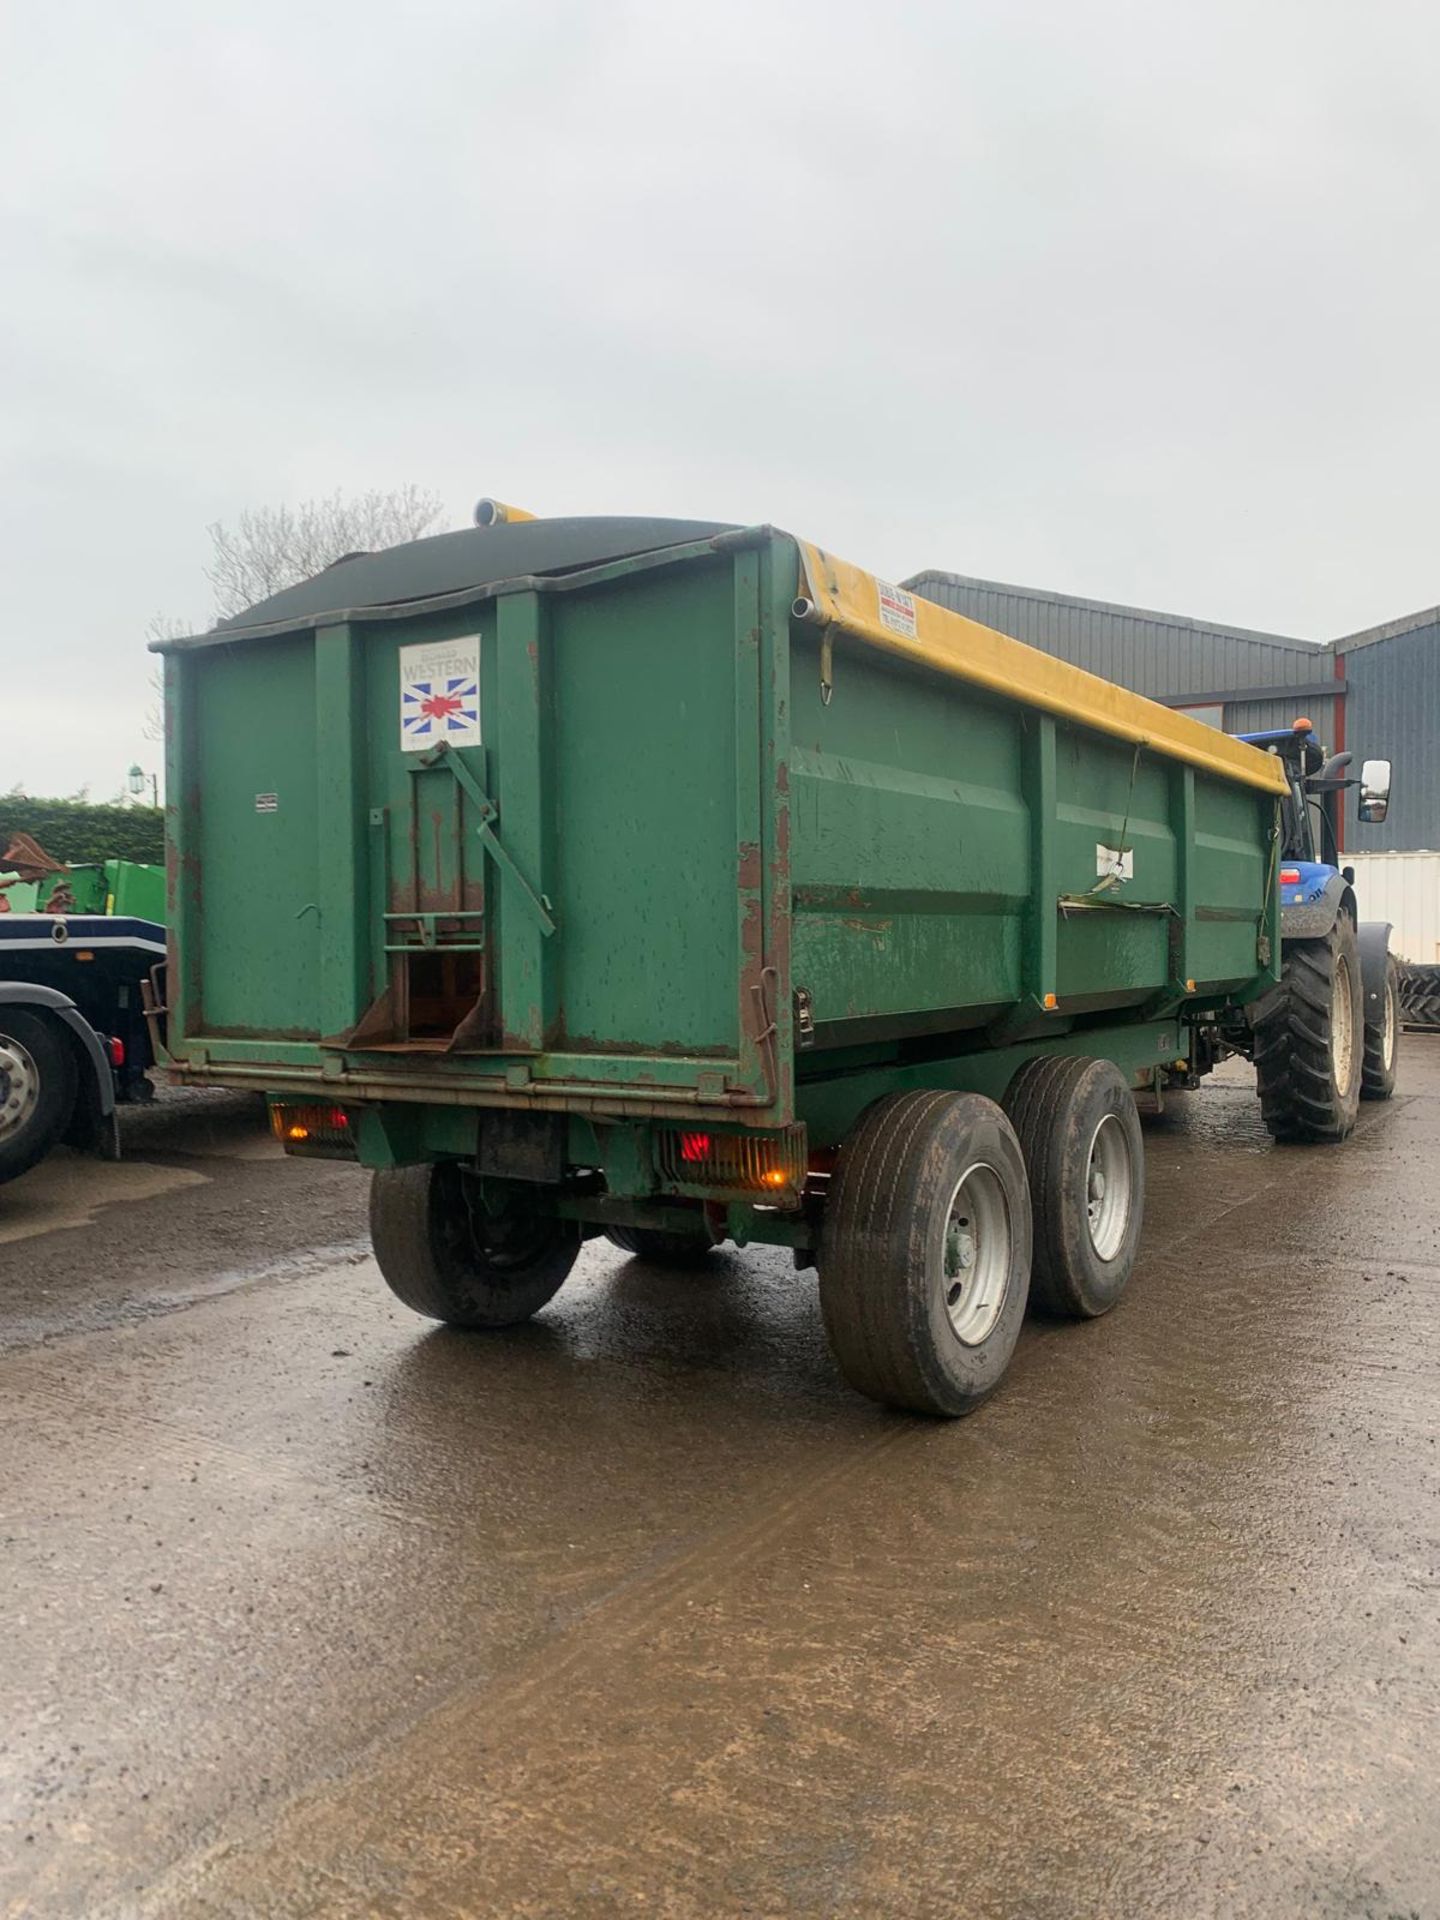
[
  {"x": 776, "y": 1046},
  {"x": 752, "y": 942}
]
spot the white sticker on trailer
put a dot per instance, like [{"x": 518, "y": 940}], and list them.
[
  {"x": 1111, "y": 863},
  {"x": 897, "y": 608},
  {"x": 440, "y": 694}
]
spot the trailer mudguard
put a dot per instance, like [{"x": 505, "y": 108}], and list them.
[
  {"x": 93, "y": 1126},
  {"x": 1308, "y": 909},
  {"x": 1374, "y": 939}
]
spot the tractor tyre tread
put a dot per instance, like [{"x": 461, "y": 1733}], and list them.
[
  {"x": 1300, "y": 1099},
  {"x": 1377, "y": 1075}
]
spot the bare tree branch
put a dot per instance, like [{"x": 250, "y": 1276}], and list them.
[
  {"x": 160, "y": 626},
  {"x": 270, "y": 548}
]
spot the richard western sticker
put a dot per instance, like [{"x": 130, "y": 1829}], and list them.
[{"x": 440, "y": 694}]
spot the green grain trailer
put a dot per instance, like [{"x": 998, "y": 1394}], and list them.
[{"x": 682, "y": 883}]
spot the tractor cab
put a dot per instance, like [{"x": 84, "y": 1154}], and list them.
[{"x": 1310, "y": 813}]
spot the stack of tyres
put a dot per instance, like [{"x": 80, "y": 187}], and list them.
[{"x": 1420, "y": 996}]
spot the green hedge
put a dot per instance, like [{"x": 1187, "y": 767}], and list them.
[{"x": 81, "y": 831}]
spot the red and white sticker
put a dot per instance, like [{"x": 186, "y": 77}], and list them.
[
  {"x": 897, "y": 608},
  {"x": 440, "y": 694}
]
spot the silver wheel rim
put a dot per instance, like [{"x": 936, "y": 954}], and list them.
[
  {"x": 1391, "y": 1023},
  {"x": 1109, "y": 1188},
  {"x": 19, "y": 1086},
  {"x": 1342, "y": 1026},
  {"x": 976, "y": 1254}
]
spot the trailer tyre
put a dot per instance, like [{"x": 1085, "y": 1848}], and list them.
[
  {"x": 1382, "y": 1040},
  {"x": 664, "y": 1249},
  {"x": 1309, "y": 1039},
  {"x": 925, "y": 1252},
  {"x": 37, "y": 1089},
  {"x": 445, "y": 1256},
  {"x": 1080, "y": 1134}
]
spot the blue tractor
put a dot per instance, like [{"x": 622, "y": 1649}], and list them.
[{"x": 1327, "y": 1037}]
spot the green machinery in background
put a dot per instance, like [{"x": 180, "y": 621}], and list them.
[
  {"x": 126, "y": 888},
  {"x": 78, "y": 947}
]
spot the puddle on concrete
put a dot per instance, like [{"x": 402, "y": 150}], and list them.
[{"x": 68, "y": 1190}]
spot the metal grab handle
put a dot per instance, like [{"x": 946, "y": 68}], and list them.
[{"x": 488, "y": 811}]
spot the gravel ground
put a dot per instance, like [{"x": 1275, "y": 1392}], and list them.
[{"x": 313, "y": 1609}]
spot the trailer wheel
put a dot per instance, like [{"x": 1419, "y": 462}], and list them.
[
  {"x": 925, "y": 1251},
  {"x": 1382, "y": 1040},
  {"x": 1309, "y": 1041},
  {"x": 37, "y": 1089},
  {"x": 445, "y": 1256},
  {"x": 665, "y": 1249},
  {"x": 1079, "y": 1131}
]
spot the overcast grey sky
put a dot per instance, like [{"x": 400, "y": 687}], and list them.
[{"x": 1129, "y": 298}]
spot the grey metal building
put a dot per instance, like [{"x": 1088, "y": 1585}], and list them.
[
  {"x": 1377, "y": 692},
  {"x": 1392, "y": 707}
]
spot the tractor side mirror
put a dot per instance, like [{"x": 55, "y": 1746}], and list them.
[{"x": 1374, "y": 791}]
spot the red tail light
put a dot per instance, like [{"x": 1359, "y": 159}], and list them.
[
  {"x": 1289, "y": 876},
  {"x": 117, "y": 1053},
  {"x": 322, "y": 1132},
  {"x": 758, "y": 1165}
]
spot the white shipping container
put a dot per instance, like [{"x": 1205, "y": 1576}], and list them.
[{"x": 1403, "y": 888}]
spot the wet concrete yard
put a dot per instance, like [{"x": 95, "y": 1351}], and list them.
[{"x": 311, "y": 1609}]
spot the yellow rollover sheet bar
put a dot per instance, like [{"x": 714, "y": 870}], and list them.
[{"x": 903, "y": 623}]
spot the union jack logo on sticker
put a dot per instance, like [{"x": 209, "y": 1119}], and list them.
[
  {"x": 433, "y": 707},
  {"x": 440, "y": 694}
]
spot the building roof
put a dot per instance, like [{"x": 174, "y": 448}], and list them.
[
  {"x": 1146, "y": 616},
  {"x": 1388, "y": 630},
  {"x": 935, "y": 576}
]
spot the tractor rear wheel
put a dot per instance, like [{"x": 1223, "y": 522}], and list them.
[{"x": 1309, "y": 1039}]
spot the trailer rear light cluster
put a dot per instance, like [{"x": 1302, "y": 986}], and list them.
[
  {"x": 754, "y": 1164},
  {"x": 322, "y": 1132}
]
